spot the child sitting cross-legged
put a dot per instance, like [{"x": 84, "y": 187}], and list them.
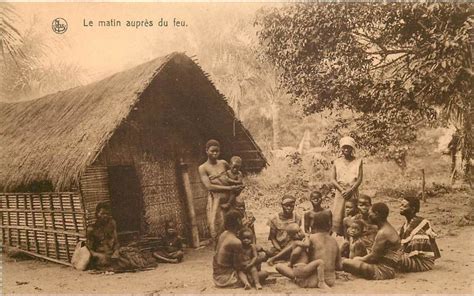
[
  {"x": 249, "y": 273},
  {"x": 300, "y": 268},
  {"x": 171, "y": 250}
]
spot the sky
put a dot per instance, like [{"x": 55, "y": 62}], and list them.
[{"x": 103, "y": 50}]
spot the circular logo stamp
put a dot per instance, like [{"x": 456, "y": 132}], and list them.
[{"x": 59, "y": 25}]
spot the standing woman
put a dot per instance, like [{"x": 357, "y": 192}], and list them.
[
  {"x": 209, "y": 172},
  {"x": 346, "y": 176}
]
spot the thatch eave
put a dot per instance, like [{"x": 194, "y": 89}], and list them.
[{"x": 56, "y": 137}]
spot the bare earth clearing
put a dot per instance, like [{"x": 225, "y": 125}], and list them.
[{"x": 452, "y": 273}]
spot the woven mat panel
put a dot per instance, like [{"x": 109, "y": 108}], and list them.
[
  {"x": 161, "y": 196},
  {"x": 94, "y": 189},
  {"x": 47, "y": 225}
]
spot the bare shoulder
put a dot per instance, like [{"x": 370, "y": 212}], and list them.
[
  {"x": 382, "y": 233},
  {"x": 328, "y": 213},
  {"x": 234, "y": 242},
  {"x": 330, "y": 239},
  {"x": 297, "y": 217},
  {"x": 347, "y": 220},
  {"x": 223, "y": 162},
  {"x": 203, "y": 167}
]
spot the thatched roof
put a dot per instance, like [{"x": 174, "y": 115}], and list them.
[{"x": 57, "y": 136}]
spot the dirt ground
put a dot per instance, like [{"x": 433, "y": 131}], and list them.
[{"x": 452, "y": 273}]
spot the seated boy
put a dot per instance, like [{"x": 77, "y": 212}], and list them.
[
  {"x": 248, "y": 260},
  {"x": 350, "y": 211},
  {"x": 248, "y": 219},
  {"x": 324, "y": 247},
  {"x": 172, "y": 249},
  {"x": 364, "y": 203},
  {"x": 316, "y": 199},
  {"x": 299, "y": 268}
]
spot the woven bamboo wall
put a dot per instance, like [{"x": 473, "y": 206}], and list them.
[
  {"x": 47, "y": 225},
  {"x": 94, "y": 189},
  {"x": 161, "y": 196}
]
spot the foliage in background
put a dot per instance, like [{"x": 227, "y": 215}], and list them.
[
  {"x": 30, "y": 71},
  {"x": 300, "y": 174},
  {"x": 391, "y": 64},
  {"x": 10, "y": 37}
]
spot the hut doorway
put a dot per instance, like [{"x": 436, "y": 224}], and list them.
[{"x": 126, "y": 198}]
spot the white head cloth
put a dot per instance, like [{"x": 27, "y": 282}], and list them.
[{"x": 347, "y": 141}]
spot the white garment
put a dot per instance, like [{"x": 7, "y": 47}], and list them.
[{"x": 347, "y": 172}]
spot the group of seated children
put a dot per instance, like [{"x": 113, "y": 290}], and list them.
[
  {"x": 359, "y": 233},
  {"x": 372, "y": 247},
  {"x": 313, "y": 255}
]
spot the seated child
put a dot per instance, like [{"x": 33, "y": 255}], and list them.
[
  {"x": 316, "y": 199},
  {"x": 300, "y": 269},
  {"x": 323, "y": 246},
  {"x": 249, "y": 260},
  {"x": 293, "y": 231},
  {"x": 370, "y": 230},
  {"x": 172, "y": 249},
  {"x": 356, "y": 245},
  {"x": 350, "y": 210},
  {"x": 248, "y": 219}
]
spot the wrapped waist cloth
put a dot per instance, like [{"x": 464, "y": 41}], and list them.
[
  {"x": 385, "y": 268},
  {"x": 223, "y": 276}
]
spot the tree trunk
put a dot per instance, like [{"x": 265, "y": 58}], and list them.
[
  {"x": 236, "y": 106},
  {"x": 237, "y": 98},
  {"x": 276, "y": 125},
  {"x": 466, "y": 148}
]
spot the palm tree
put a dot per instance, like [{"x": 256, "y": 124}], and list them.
[{"x": 10, "y": 37}]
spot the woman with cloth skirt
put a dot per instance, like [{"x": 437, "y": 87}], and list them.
[{"x": 346, "y": 177}]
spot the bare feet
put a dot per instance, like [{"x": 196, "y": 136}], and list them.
[
  {"x": 162, "y": 258},
  {"x": 323, "y": 285},
  {"x": 247, "y": 286},
  {"x": 258, "y": 286}
]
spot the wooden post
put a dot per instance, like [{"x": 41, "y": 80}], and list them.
[
  {"x": 35, "y": 233},
  {"x": 190, "y": 203},
  {"x": 423, "y": 195}
]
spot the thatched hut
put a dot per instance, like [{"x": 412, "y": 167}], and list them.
[{"x": 130, "y": 139}]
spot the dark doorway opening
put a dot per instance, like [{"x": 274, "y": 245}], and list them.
[{"x": 126, "y": 198}]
